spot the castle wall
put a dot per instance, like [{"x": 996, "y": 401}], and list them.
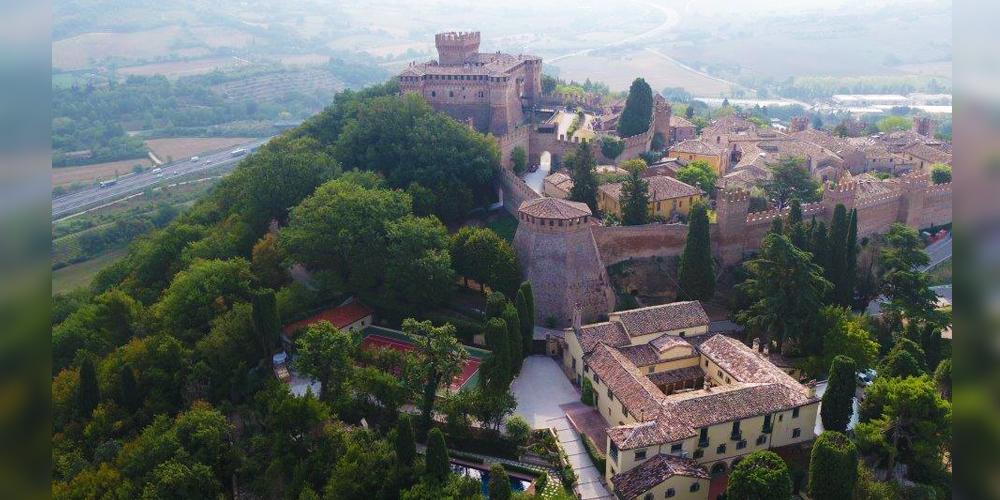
[
  {"x": 620, "y": 243},
  {"x": 515, "y": 191},
  {"x": 937, "y": 206},
  {"x": 877, "y": 213}
]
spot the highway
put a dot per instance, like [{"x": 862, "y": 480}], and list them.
[{"x": 70, "y": 204}]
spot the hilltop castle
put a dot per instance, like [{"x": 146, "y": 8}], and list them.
[{"x": 490, "y": 90}]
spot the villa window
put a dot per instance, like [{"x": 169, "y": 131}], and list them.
[
  {"x": 586, "y": 369},
  {"x": 706, "y": 362},
  {"x": 670, "y": 493},
  {"x": 676, "y": 447},
  {"x": 649, "y": 496},
  {"x": 624, "y": 410},
  {"x": 434, "y": 93},
  {"x": 741, "y": 444},
  {"x": 719, "y": 373},
  {"x": 699, "y": 453},
  {"x": 610, "y": 396},
  {"x": 796, "y": 432},
  {"x": 761, "y": 439},
  {"x": 651, "y": 368},
  {"x": 597, "y": 380},
  {"x": 695, "y": 487},
  {"x": 640, "y": 454},
  {"x": 795, "y": 413},
  {"x": 721, "y": 448},
  {"x": 613, "y": 451}
]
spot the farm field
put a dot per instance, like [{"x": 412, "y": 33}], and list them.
[
  {"x": 177, "y": 69},
  {"x": 942, "y": 69},
  {"x": 184, "y": 147},
  {"x": 618, "y": 72},
  {"x": 87, "y": 174},
  {"x": 78, "y": 51},
  {"x": 77, "y": 275}
]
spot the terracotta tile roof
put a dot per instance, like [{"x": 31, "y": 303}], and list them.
[
  {"x": 680, "y": 121},
  {"x": 635, "y": 392},
  {"x": 673, "y": 316},
  {"x": 925, "y": 152},
  {"x": 611, "y": 334},
  {"x": 745, "y": 364},
  {"x": 638, "y": 480},
  {"x": 666, "y": 342},
  {"x": 729, "y": 125},
  {"x": 747, "y": 175},
  {"x": 560, "y": 180},
  {"x": 661, "y": 188},
  {"x": 491, "y": 64},
  {"x": 678, "y": 375},
  {"x": 340, "y": 317},
  {"x": 695, "y": 146},
  {"x": 640, "y": 355},
  {"x": 827, "y": 140},
  {"x": 554, "y": 208}
]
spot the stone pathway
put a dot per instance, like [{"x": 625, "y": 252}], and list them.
[
  {"x": 588, "y": 478},
  {"x": 540, "y": 389}
]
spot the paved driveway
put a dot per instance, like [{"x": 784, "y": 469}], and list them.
[{"x": 540, "y": 389}]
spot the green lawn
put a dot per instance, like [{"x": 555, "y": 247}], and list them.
[
  {"x": 504, "y": 225},
  {"x": 941, "y": 274},
  {"x": 77, "y": 275}
]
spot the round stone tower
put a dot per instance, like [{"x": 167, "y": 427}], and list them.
[{"x": 558, "y": 254}]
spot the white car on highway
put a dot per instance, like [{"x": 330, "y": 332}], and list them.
[{"x": 194, "y": 159}]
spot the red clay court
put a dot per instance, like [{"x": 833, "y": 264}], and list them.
[{"x": 468, "y": 371}]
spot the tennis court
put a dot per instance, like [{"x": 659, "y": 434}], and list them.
[{"x": 469, "y": 371}]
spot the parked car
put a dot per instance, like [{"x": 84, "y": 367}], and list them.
[{"x": 866, "y": 377}]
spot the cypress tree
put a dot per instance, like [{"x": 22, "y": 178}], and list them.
[
  {"x": 638, "y": 111},
  {"x": 581, "y": 165},
  {"x": 819, "y": 246},
  {"x": 498, "y": 364},
  {"x": 438, "y": 465},
  {"x": 265, "y": 319},
  {"x": 851, "y": 273},
  {"x": 499, "y": 486},
  {"x": 838, "y": 399},
  {"x": 130, "y": 389},
  {"x": 406, "y": 445},
  {"x": 809, "y": 235},
  {"x": 836, "y": 272},
  {"x": 90, "y": 392},
  {"x": 635, "y": 199},
  {"x": 833, "y": 468},
  {"x": 777, "y": 226},
  {"x": 697, "y": 269},
  {"x": 515, "y": 344},
  {"x": 495, "y": 305},
  {"x": 794, "y": 212},
  {"x": 526, "y": 322},
  {"x": 529, "y": 299}
]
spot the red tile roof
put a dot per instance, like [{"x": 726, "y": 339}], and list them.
[
  {"x": 638, "y": 480},
  {"x": 340, "y": 317}
]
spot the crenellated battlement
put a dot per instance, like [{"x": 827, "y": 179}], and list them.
[
  {"x": 457, "y": 37},
  {"x": 770, "y": 215}
]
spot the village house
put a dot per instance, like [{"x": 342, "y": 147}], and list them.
[
  {"x": 352, "y": 316},
  {"x": 557, "y": 185},
  {"x": 667, "y": 197},
  {"x": 683, "y": 405},
  {"x": 923, "y": 156},
  {"x": 681, "y": 129},
  {"x": 700, "y": 150}
]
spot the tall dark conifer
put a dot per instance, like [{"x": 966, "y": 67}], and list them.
[
  {"x": 820, "y": 246},
  {"x": 635, "y": 199},
  {"x": 90, "y": 391},
  {"x": 697, "y": 269},
  {"x": 406, "y": 445},
  {"x": 836, "y": 272},
  {"x": 638, "y": 111},
  {"x": 852, "y": 259},
  {"x": 526, "y": 322},
  {"x": 131, "y": 398},
  {"x": 838, "y": 399},
  {"x": 437, "y": 464},
  {"x": 515, "y": 343},
  {"x": 581, "y": 165}
]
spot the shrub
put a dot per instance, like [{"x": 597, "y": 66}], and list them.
[
  {"x": 541, "y": 482},
  {"x": 465, "y": 329},
  {"x": 587, "y": 394},
  {"x": 595, "y": 454},
  {"x": 518, "y": 430}
]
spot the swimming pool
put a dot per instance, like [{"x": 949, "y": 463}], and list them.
[{"x": 483, "y": 475}]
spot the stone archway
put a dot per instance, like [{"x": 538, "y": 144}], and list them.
[{"x": 718, "y": 469}]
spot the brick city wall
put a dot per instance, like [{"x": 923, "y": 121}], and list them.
[
  {"x": 620, "y": 243},
  {"x": 515, "y": 191}
]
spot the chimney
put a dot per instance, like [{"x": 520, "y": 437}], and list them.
[
  {"x": 577, "y": 320},
  {"x": 756, "y": 344},
  {"x": 811, "y": 388}
]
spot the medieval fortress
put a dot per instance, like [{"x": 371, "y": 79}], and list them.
[{"x": 562, "y": 248}]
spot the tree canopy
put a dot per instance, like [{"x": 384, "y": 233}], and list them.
[
  {"x": 638, "y": 112},
  {"x": 699, "y": 174},
  {"x": 761, "y": 475},
  {"x": 790, "y": 178}
]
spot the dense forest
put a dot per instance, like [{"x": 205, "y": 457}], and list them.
[{"x": 162, "y": 385}]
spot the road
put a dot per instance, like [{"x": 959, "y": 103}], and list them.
[
  {"x": 938, "y": 252},
  {"x": 76, "y": 202}
]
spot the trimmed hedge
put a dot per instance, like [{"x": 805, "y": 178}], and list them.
[
  {"x": 465, "y": 329},
  {"x": 600, "y": 461}
]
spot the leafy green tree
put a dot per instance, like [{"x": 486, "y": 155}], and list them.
[
  {"x": 344, "y": 228},
  {"x": 905, "y": 287},
  {"x": 90, "y": 392},
  {"x": 497, "y": 367},
  {"x": 439, "y": 359},
  {"x": 493, "y": 407},
  {"x": 581, "y": 165},
  {"x": 817, "y": 123},
  {"x": 496, "y": 303},
  {"x": 418, "y": 268},
  {"x": 836, "y": 272},
  {"x": 791, "y": 179},
  {"x": 438, "y": 466},
  {"x": 548, "y": 84},
  {"x": 175, "y": 480},
  {"x": 406, "y": 445},
  {"x": 482, "y": 255},
  {"x": 900, "y": 364},
  {"x": 268, "y": 262},
  {"x": 204, "y": 291},
  {"x": 839, "y": 332},
  {"x": 699, "y": 174},
  {"x": 777, "y": 227},
  {"x": 942, "y": 378},
  {"x": 941, "y": 173},
  {"x": 515, "y": 344},
  {"x": 838, "y": 400},
  {"x": 131, "y": 397},
  {"x": 108, "y": 321},
  {"x": 797, "y": 230},
  {"x": 904, "y": 418},
  {"x": 525, "y": 321},
  {"x": 519, "y": 159},
  {"x": 635, "y": 199},
  {"x": 612, "y": 148},
  {"x": 323, "y": 352},
  {"x": 223, "y": 358},
  {"x": 894, "y": 124},
  {"x": 697, "y": 269},
  {"x": 499, "y": 486},
  {"x": 638, "y": 112},
  {"x": 785, "y": 290},
  {"x": 762, "y": 475},
  {"x": 518, "y": 430},
  {"x": 833, "y": 467}
]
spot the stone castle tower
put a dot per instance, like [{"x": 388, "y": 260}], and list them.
[
  {"x": 456, "y": 48},
  {"x": 558, "y": 254}
]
